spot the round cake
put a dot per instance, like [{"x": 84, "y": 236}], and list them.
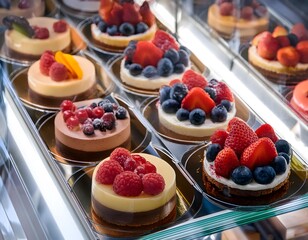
[
  {"x": 60, "y": 76},
  {"x": 83, "y": 5},
  {"x": 247, "y": 163},
  {"x": 148, "y": 65},
  {"x": 247, "y": 20},
  {"x": 89, "y": 130},
  {"x": 32, "y": 37},
  {"x": 281, "y": 56},
  {"x": 134, "y": 190},
  {"x": 299, "y": 100},
  {"x": 120, "y": 22},
  {"x": 195, "y": 107}
]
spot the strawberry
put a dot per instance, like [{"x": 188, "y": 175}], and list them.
[
  {"x": 105, "y": 7},
  {"x": 114, "y": 16},
  {"x": 225, "y": 162},
  {"x": 219, "y": 136},
  {"x": 131, "y": 13},
  {"x": 147, "y": 16},
  {"x": 266, "y": 130},
  {"x": 240, "y": 136},
  {"x": 198, "y": 98},
  {"x": 193, "y": 79},
  {"x": 165, "y": 41},
  {"x": 259, "y": 153},
  {"x": 223, "y": 92},
  {"x": 147, "y": 53}
]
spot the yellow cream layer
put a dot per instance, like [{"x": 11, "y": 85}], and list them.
[
  {"x": 121, "y": 41},
  {"x": 144, "y": 202},
  {"x": 185, "y": 128},
  {"x": 22, "y": 44},
  {"x": 44, "y": 85}
]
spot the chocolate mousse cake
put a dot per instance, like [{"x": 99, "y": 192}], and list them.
[
  {"x": 133, "y": 190},
  {"x": 89, "y": 130}
]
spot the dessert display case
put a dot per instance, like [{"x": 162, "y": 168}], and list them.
[{"x": 44, "y": 195}]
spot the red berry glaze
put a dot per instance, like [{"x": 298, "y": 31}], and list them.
[
  {"x": 67, "y": 105},
  {"x": 60, "y": 26}
]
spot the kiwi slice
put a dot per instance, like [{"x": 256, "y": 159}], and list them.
[{"x": 19, "y": 24}]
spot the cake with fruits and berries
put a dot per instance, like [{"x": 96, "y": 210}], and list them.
[
  {"x": 281, "y": 56},
  {"x": 243, "y": 162},
  {"x": 89, "y": 130},
  {"x": 299, "y": 99},
  {"x": 135, "y": 190},
  {"x": 246, "y": 20},
  {"x": 194, "y": 107},
  {"x": 151, "y": 64},
  {"x": 120, "y": 22},
  {"x": 30, "y": 38},
  {"x": 60, "y": 76}
]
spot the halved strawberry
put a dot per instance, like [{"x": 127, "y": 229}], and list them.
[
  {"x": 147, "y": 16},
  {"x": 266, "y": 130},
  {"x": 259, "y": 153},
  {"x": 131, "y": 13},
  {"x": 240, "y": 136},
  {"x": 223, "y": 92},
  {"x": 147, "y": 53},
  {"x": 225, "y": 162},
  {"x": 114, "y": 16},
  {"x": 219, "y": 136},
  {"x": 165, "y": 41},
  {"x": 105, "y": 7},
  {"x": 193, "y": 79},
  {"x": 198, "y": 98}
]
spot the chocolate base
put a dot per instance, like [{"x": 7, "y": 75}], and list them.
[{"x": 108, "y": 48}]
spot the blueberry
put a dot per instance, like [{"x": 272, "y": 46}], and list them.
[
  {"x": 211, "y": 91},
  {"x": 129, "y": 52},
  {"x": 88, "y": 129},
  {"x": 283, "y": 146},
  {"x": 219, "y": 113},
  {"x": 108, "y": 107},
  {"x": 102, "y": 102},
  {"x": 107, "y": 125},
  {"x": 179, "y": 68},
  {"x": 127, "y": 29},
  {"x": 164, "y": 67},
  {"x": 241, "y": 175},
  {"x": 173, "y": 55},
  {"x": 293, "y": 39},
  {"x": 227, "y": 104},
  {"x": 212, "y": 151},
  {"x": 102, "y": 26},
  {"x": 135, "y": 69},
  {"x": 264, "y": 175},
  {"x": 141, "y": 27},
  {"x": 96, "y": 19},
  {"x": 121, "y": 113},
  {"x": 112, "y": 30},
  {"x": 197, "y": 116},
  {"x": 178, "y": 91},
  {"x": 97, "y": 123},
  {"x": 170, "y": 106},
  {"x": 164, "y": 93},
  {"x": 279, "y": 164},
  {"x": 93, "y": 105},
  {"x": 127, "y": 63},
  {"x": 184, "y": 57},
  {"x": 185, "y": 49},
  {"x": 132, "y": 43},
  {"x": 182, "y": 114},
  {"x": 286, "y": 156},
  {"x": 213, "y": 82},
  {"x": 149, "y": 71}
]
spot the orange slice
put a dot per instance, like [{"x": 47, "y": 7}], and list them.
[{"x": 70, "y": 63}]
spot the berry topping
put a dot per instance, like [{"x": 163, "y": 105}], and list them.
[
  {"x": 178, "y": 92},
  {"x": 112, "y": 16},
  {"x": 67, "y": 105},
  {"x": 283, "y": 146},
  {"x": 266, "y": 130},
  {"x": 98, "y": 112},
  {"x": 135, "y": 69},
  {"x": 72, "y": 123},
  {"x": 88, "y": 129},
  {"x": 170, "y": 106},
  {"x": 223, "y": 92},
  {"x": 120, "y": 155},
  {"x": 67, "y": 114},
  {"x": 149, "y": 167},
  {"x": 279, "y": 31},
  {"x": 153, "y": 183},
  {"x": 247, "y": 13},
  {"x": 279, "y": 164},
  {"x": 165, "y": 41},
  {"x": 41, "y": 33},
  {"x": 24, "y": 4},
  {"x": 268, "y": 47},
  {"x": 226, "y": 9},
  {"x": 147, "y": 53},
  {"x": 129, "y": 164},
  {"x": 193, "y": 79},
  {"x": 131, "y": 14},
  {"x": 147, "y": 16},
  {"x": 286, "y": 156},
  {"x": 164, "y": 67},
  {"x": 212, "y": 151},
  {"x": 264, "y": 175},
  {"x": 173, "y": 55},
  {"x": 300, "y": 31},
  {"x": 182, "y": 114},
  {"x": 219, "y": 136},
  {"x": 121, "y": 113},
  {"x": 126, "y": 29},
  {"x": 127, "y": 184},
  {"x": 197, "y": 116},
  {"x": 149, "y": 71},
  {"x": 302, "y": 49},
  {"x": 164, "y": 93},
  {"x": 288, "y": 56},
  {"x": 139, "y": 159},
  {"x": 242, "y": 175},
  {"x": 82, "y": 115},
  {"x": 60, "y": 26},
  {"x": 141, "y": 27},
  {"x": 184, "y": 57},
  {"x": 219, "y": 113},
  {"x": 107, "y": 172},
  {"x": 227, "y": 104},
  {"x": 58, "y": 72},
  {"x": 19, "y": 24},
  {"x": 46, "y": 60},
  {"x": 108, "y": 120},
  {"x": 226, "y": 161}
]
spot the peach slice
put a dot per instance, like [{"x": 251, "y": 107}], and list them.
[
  {"x": 70, "y": 63},
  {"x": 302, "y": 48},
  {"x": 279, "y": 31},
  {"x": 268, "y": 47},
  {"x": 288, "y": 56},
  {"x": 256, "y": 39}
]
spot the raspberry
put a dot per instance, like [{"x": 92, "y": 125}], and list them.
[
  {"x": 219, "y": 136},
  {"x": 153, "y": 183},
  {"x": 127, "y": 184},
  {"x": 60, "y": 26},
  {"x": 140, "y": 171},
  {"x": 129, "y": 164},
  {"x": 58, "y": 72},
  {"x": 120, "y": 155},
  {"x": 139, "y": 159},
  {"x": 41, "y": 33},
  {"x": 46, "y": 60},
  {"x": 107, "y": 172},
  {"x": 149, "y": 167}
]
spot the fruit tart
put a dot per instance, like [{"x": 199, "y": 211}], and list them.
[
  {"x": 281, "y": 56},
  {"x": 135, "y": 190},
  {"x": 150, "y": 64},
  {"x": 299, "y": 99},
  {"x": 120, "y": 22},
  {"x": 194, "y": 107},
  {"x": 243, "y": 162}
]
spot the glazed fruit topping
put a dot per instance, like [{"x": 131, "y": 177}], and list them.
[
  {"x": 146, "y": 54},
  {"x": 192, "y": 79},
  {"x": 20, "y": 24},
  {"x": 60, "y": 26},
  {"x": 165, "y": 41},
  {"x": 266, "y": 130}
]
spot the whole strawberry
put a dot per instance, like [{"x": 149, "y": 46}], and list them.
[
  {"x": 225, "y": 162},
  {"x": 266, "y": 130}
]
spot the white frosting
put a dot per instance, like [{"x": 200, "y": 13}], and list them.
[
  {"x": 44, "y": 85},
  {"x": 83, "y": 5},
  {"x": 185, "y": 128}
]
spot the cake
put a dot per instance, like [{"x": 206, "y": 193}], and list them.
[
  {"x": 60, "y": 76},
  {"x": 242, "y": 162},
  {"x": 150, "y": 64},
  {"x": 244, "y": 21},
  {"x": 281, "y": 56},
  {"x": 25, "y": 8},
  {"x": 30, "y": 38},
  {"x": 133, "y": 190},
  {"x": 299, "y": 100},
  {"x": 120, "y": 22},
  {"x": 195, "y": 107},
  {"x": 90, "y": 130},
  {"x": 90, "y": 6}
]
